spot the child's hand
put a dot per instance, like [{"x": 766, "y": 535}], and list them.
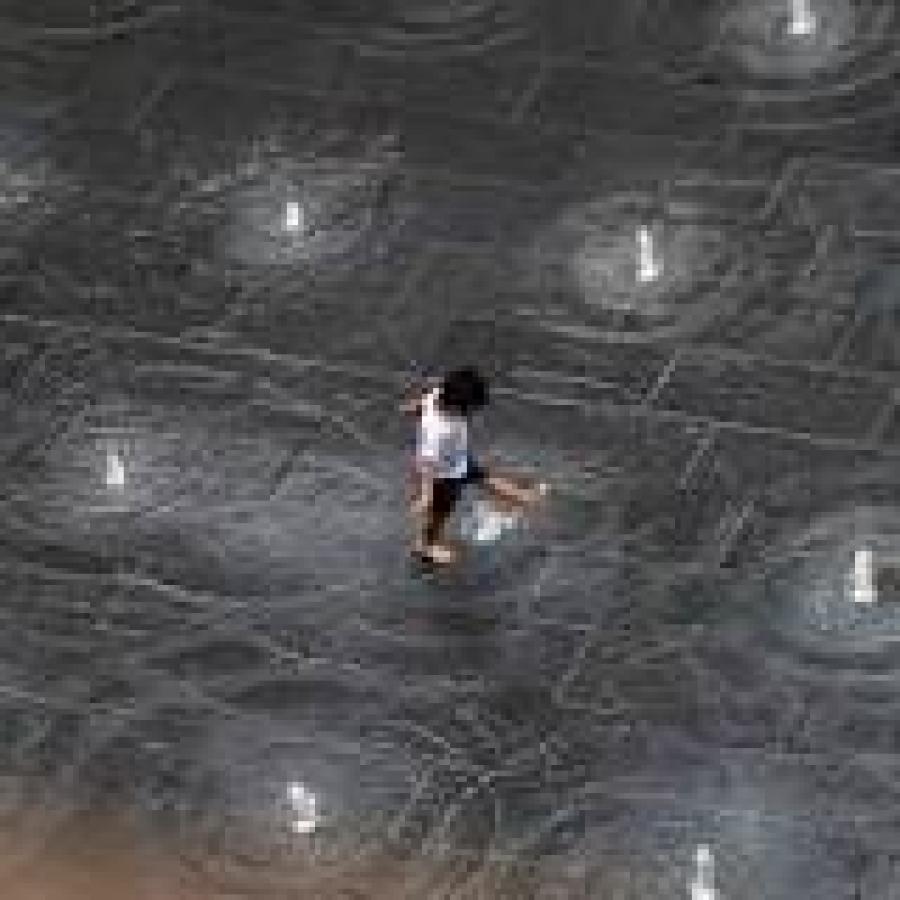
[{"x": 412, "y": 405}]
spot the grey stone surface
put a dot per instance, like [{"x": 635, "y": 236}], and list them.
[{"x": 671, "y": 656}]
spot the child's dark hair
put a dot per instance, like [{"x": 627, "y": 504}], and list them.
[{"x": 464, "y": 391}]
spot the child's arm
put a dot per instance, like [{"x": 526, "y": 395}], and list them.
[{"x": 413, "y": 403}]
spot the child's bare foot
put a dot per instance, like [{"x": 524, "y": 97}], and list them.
[
  {"x": 439, "y": 553},
  {"x": 539, "y": 492},
  {"x": 443, "y": 554}
]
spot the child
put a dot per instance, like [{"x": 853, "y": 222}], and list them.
[{"x": 444, "y": 463}]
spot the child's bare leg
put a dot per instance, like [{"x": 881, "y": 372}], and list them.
[
  {"x": 421, "y": 503},
  {"x": 436, "y": 545},
  {"x": 512, "y": 494},
  {"x": 420, "y": 530},
  {"x": 430, "y": 521},
  {"x": 423, "y": 523}
]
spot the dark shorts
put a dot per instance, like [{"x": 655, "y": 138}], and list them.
[
  {"x": 474, "y": 475},
  {"x": 447, "y": 491}
]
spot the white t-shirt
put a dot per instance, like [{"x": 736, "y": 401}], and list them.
[{"x": 443, "y": 439}]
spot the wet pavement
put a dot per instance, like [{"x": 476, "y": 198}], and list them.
[{"x": 235, "y": 232}]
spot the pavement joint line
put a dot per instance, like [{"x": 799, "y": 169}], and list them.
[{"x": 264, "y": 355}]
